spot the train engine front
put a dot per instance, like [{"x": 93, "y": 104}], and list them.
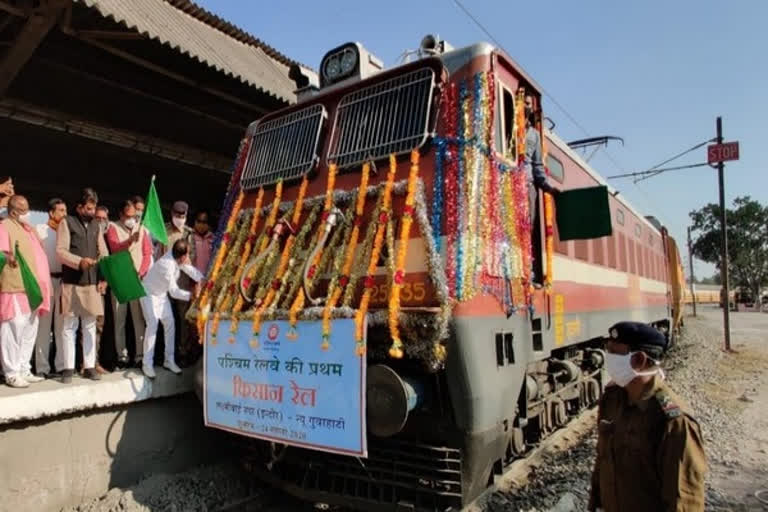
[{"x": 369, "y": 318}]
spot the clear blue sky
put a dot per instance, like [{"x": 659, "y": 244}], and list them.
[{"x": 655, "y": 73}]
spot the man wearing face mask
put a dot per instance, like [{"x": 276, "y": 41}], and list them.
[
  {"x": 80, "y": 244},
  {"x": 177, "y": 229},
  {"x": 102, "y": 217},
  {"x": 128, "y": 235},
  {"x": 18, "y": 322},
  {"x": 57, "y": 210},
  {"x": 649, "y": 448}
]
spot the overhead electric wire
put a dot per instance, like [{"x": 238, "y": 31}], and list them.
[
  {"x": 496, "y": 41},
  {"x": 654, "y": 172},
  {"x": 694, "y": 148}
]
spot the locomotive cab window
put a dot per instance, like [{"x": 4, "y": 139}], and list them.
[
  {"x": 506, "y": 132},
  {"x": 556, "y": 169}
]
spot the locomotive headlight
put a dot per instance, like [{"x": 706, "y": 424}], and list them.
[
  {"x": 342, "y": 63},
  {"x": 348, "y": 61},
  {"x": 332, "y": 68}
]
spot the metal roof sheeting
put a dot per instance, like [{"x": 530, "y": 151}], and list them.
[{"x": 190, "y": 34}]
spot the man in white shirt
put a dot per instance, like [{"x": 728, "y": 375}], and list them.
[
  {"x": 57, "y": 210},
  {"x": 159, "y": 283}
]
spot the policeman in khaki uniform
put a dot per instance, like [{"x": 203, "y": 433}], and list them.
[{"x": 649, "y": 448}]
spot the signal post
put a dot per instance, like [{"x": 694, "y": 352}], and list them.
[{"x": 719, "y": 153}]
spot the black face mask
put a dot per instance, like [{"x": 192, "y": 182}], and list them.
[
  {"x": 529, "y": 115},
  {"x": 87, "y": 217}
]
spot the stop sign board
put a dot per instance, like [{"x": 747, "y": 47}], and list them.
[{"x": 722, "y": 152}]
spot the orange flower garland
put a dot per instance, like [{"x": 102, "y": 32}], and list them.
[
  {"x": 285, "y": 258},
  {"x": 203, "y": 304},
  {"x": 298, "y": 302},
  {"x": 549, "y": 228},
  {"x": 253, "y": 275},
  {"x": 339, "y": 282},
  {"x": 550, "y": 238},
  {"x": 243, "y": 259},
  {"x": 396, "y": 350},
  {"x": 378, "y": 241}
]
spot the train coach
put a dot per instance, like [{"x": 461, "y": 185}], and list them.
[{"x": 385, "y": 326}]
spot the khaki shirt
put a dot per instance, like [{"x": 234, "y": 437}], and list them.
[{"x": 650, "y": 455}]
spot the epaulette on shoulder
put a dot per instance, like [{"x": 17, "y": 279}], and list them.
[{"x": 670, "y": 409}]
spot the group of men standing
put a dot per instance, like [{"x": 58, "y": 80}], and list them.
[{"x": 63, "y": 256}]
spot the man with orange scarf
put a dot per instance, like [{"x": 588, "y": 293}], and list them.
[{"x": 18, "y": 322}]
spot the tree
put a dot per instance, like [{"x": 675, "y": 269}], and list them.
[{"x": 747, "y": 241}]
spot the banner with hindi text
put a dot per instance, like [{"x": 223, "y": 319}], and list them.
[{"x": 288, "y": 390}]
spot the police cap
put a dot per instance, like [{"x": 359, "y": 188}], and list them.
[
  {"x": 180, "y": 208},
  {"x": 639, "y": 336}
]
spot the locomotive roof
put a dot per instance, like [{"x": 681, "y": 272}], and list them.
[{"x": 563, "y": 146}]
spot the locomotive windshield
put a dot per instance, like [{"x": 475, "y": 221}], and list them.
[{"x": 390, "y": 117}]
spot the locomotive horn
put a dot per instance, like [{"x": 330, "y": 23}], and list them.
[{"x": 429, "y": 43}]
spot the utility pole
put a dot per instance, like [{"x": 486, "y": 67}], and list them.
[
  {"x": 724, "y": 248},
  {"x": 690, "y": 263}
]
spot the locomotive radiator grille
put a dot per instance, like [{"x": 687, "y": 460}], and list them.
[
  {"x": 284, "y": 148},
  {"x": 387, "y": 118}
]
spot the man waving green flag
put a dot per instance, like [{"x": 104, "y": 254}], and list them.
[{"x": 153, "y": 216}]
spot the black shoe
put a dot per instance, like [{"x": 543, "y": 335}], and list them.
[
  {"x": 66, "y": 376},
  {"x": 91, "y": 373}
]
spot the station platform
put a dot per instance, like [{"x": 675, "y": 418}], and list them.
[{"x": 51, "y": 398}]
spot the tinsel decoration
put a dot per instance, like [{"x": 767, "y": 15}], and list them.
[
  {"x": 396, "y": 350},
  {"x": 451, "y": 199}
]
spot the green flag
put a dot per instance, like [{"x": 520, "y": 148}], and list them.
[
  {"x": 3, "y": 261},
  {"x": 583, "y": 213},
  {"x": 153, "y": 216},
  {"x": 31, "y": 287},
  {"x": 120, "y": 274}
]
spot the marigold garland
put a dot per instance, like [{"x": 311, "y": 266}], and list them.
[
  {"x": 267, "y": 251},
  {"x": 277, "y": 282},
  {"x": 298, "y": 302},
  {"x": 339, "y": 282},
  {"x": 396, "y": 350},
  {"x": 244, "y": 258},
  {"x": 361, "y": 262},
  {"x": 549, "y": 229},
  {"x": 203, "y": 307},
  {"x": 301, "y": 253},
  {"x": 382, "y": 221}
]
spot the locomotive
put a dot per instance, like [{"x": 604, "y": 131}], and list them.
[{"x": 385, "y": 218}]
